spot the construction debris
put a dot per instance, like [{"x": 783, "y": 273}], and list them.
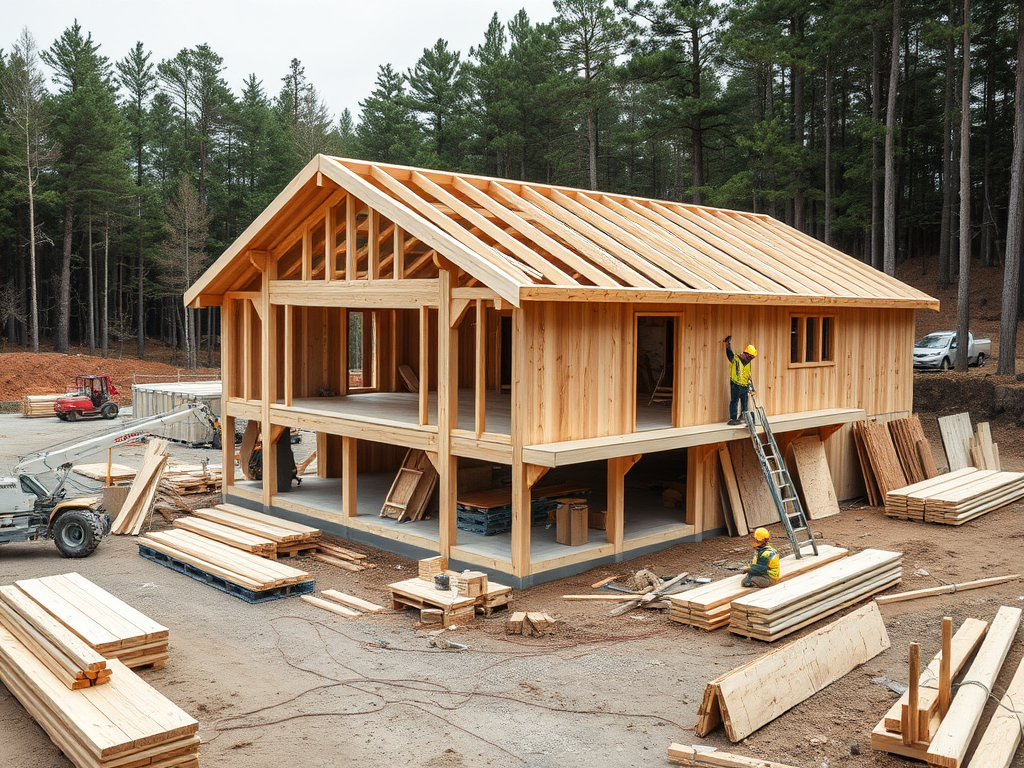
[
  {"x": 138, "y": 505},
  {"x": 743, "y": 703},
  {"x": 653, "y": 593},
  {"x": 945, "y": 589},
  {"x": 327, "y": 605},
  {"x": 709, "y": 757},
  {"x": 957, "y": 497},
  {"x": 530, "y": 623},
  {"x": 984, "y": 453},
  {"x": 353, "y": 602}
]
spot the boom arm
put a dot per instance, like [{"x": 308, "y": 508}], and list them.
[{"x": 61, "y": 455}]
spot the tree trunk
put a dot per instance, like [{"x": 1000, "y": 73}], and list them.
[
  {"x": 1015, "y": 222},
  {"x": 876, "y": 159},
  {"x": 698, "y": 124},
  {"x": 942, "y": 279},
  {"x": 92, "y": 293},
  {"x": 988, "y": 224},
  {"x": 963, "y": 293},
  {"x": 34, "y": 296},
  {"x": 104, "y": 320},
  {"x": 592, "y": 145},
  {"x": 889, "y": 258},
  {"x": 140, "y": 342},
  {"x": 828, "y": 150},
  {"x": 797, "y": 84},
  {"x": 61, "y": 341}
]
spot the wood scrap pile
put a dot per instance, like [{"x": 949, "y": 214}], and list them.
[
  {"x": 242, "y": 574},
  {"x": 413, "y": 486},
  {"x": 778, "y": 610},
  {"x": 746, "y": 698},
  {"x": 138, "y": 506},
  {"x": 37, "y": 406},
  {"x": 105, "y": 623},
  {"x": 189, "y": 479},
  {"x": 125, "y": 722},
  {"x": 530, "y": 624},
  {"x": 288, "y": 537},
  {"x": 344, "y": 605},
  {"x": 956, "y": 497},
  {"x": 929, "y": 723},
  {"x": 878, "y": 461},
  {"x": 707, "y": 607},
  {"x": 341, "y": 557}
]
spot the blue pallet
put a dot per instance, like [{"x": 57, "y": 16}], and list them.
[{"x": 235, "y": 590}]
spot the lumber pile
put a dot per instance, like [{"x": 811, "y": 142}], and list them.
[
  {"x": 775, "y": 612},
  {"x": 118, "y": 473},
  {"x": 879, "y": 461},
  {"x": 530, "y": 623},
  {"x": 913, "y": 449},
  {"x": 707, "y": 607},
  {"x": 120, "y": 724},
  {"x": 748, "y": 697},
  {"x": 455, "y": 605},
  {"x": 343, "y": 605},
  {"x": 956, "y": 434},
  {"x": 341, "y": 557},
  {"x": 413, "y": 486},
  {"x": 984, "y": 453},
  {"x": 956, "y": 497},
  {"x": 242, "y": 574},
  {"x": 290, "y": 538},
  {"x": 105, "y": 623},
  {"x": 36, "y": 406},
  {"x": 191, "y": 479},
  {"x": 233, "y": 537},
  {"x": 138, "y": 505}
]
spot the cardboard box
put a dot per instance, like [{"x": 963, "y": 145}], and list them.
[
  {"x": 571, "y": 522},
  {"x": 597, "y": 520}
]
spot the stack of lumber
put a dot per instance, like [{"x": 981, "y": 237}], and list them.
[
  {"x": 913, "y": 449},
  {"x": 984, "y": 453},
  {"x": 530, "y": 623},
  {"x": 36, "y": 406},
  {"x": 341, "y": 557},
  {"x": 66, "y": 655},
  {"x": 489, "y": 512},
  {"x": 783, "y": 608},
  {"x": 956, "y": 497},
  {"x": 456, "y": 608},
  {"x": 189, "y": 479},
  {"x": 244, "y": 575},
  {"x": 105, "y": 623},
  {"x": 137, "y": 507},
  {"x": 344, "y": 605},
  {"x": 879, "y": 461},
  {"x": 756, "y": 693},
  {"x": 429, "y": 567},
  {"x": 233, "y": 537},
  {"x": 413, "y": 486},
  {"x": 118, "y": 473},
  {"x": 121, "y": 724},
  {"x": 290, "y": 538},
  {"x": 956, "y": 434},
  {"x": 707, "y": 607}
]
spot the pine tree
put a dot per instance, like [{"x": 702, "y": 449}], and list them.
[
  {"x": 387, "y": 130},
  {"x": 438, "y": 92}
]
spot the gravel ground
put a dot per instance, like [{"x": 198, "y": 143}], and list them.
[{"x": 285, "y": 683}]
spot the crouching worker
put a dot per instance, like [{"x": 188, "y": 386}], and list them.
[{"x": 763, "y": 570}]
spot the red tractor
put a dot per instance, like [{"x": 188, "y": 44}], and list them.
[{"x": 93, "y": 396}]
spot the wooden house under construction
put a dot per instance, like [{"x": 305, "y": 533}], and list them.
[{"x": 533, "y": 342}]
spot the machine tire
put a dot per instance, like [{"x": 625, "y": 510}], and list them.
[
  {"x": 109, "y": 410},
  {"x": 62, "y": 416},
  {"x": 74, "y": 415},
  {"x": 77, "y": 533},
  {"x": 216, "y": 441},
  {"x": 981, "y": 360},
  {"x": 944, "y": 365}
]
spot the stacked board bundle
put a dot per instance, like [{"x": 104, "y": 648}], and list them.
[
  {"x": 137, "y": 507},
  {"x": 344, "y": 605},
  {"x": 957, "y": 497},
  {"x": 37, "y": 406},
  {"x": 225, "y": 534},
  {"x": 188, "y": 479},
  {"x": 290, "y": 538},
  {"x": 784, "y": 608},
  {"x": 707, "y": 607},
  {"x": 490, "y": 512},
  {"x": 249, "y": 577},
  {"x": 123, "y": 723},
  {"x": 105, "y": 623}
]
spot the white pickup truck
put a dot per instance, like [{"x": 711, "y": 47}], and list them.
[{"x": 938, "y": 350}]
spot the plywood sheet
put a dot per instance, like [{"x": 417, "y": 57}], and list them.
[
  {"x": 813, "y": 477},
  {"x": 956, "y": 431},
  {"x": 758, "y": 505}
]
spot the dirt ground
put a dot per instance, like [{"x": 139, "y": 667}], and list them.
[{"x": 286, "y": 683}]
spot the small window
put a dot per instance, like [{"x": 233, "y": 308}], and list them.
[{"x": 812, "y": 340}]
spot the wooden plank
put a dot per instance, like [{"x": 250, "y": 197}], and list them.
[
  {"x": 354, "y": 602},
  {"x": 955, "y": 430},
  {"x": 249, "y": 437},
  {"x": 758, "y": 506},
  {"x": 247, "y": 542},
  {"x": 327, "y": 605},
  {"x": 949, "y": 745},
  {"x": 713, "y": 758},
  {"x": 807, "y": 665},
  {"x": 732, "y": 488},
  {"x": 1003, "y": 735},
  {"x": 814, "y": 478},
  {"x": 945, "y": 589}
]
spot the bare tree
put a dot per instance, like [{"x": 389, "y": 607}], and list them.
[
  {"x": 889, "y": 226},
  {"x": 10, "y": 305},
  {"x": 1015, "y": 223},
  {"x": 963, "y": 292},
  {"x": 23, "y": 89}
]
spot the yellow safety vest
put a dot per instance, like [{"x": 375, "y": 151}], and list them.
[
  {"x": 772, "y": 555},
  {"x": 738, "y": 372}
]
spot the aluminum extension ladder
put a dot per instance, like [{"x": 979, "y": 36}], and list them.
[{"x": 787, "y": 502}]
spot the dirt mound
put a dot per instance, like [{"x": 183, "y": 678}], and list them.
[{"x": 25, "y": 373}]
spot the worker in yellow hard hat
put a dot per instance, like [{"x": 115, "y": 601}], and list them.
[
  {"x": 763, "y": 570},
  {"x": 740, "y": 385}
]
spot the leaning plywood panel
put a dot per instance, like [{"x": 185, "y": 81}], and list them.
[
  {"x": 757, "y": 498},
  {"x": 814, "y": 477},
  {"x": 949, "y": 745},
  {"x": 955, "y": 431},
  {"x": 1002, "y": 737},
  {"x": 758, "y": 692}
]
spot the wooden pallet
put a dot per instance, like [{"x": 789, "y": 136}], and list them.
[
  {"x": 420, "y": 593},
  {"x": 413, "y": 486}
]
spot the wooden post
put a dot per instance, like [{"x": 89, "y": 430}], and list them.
[
  {"x": 447, "y": 412},
  {"x": 349, "y": 476},
  {"x": 398, "y": 257},
  {"x": 480, "y": 385},
  {"x": 910, "y": 734},
  {"x": 110, "y": 460},
  {"x": 351, "y": 271},
  {"x": 424, "y": 365},
  {"x": 343, "y": 349},
  {"x": 945, "y": 681},
  {"x": 330, "y": 255},
  {"x": 247, "y": 342},
  {"x": 289, "y": 354},
  {"x": 268, "y": 358},
  {"x": 307, "y": 254},
  {"x": 227, "y": 451},
  {"x": 322, "y": 453},
  {"x": 521, "y": 512},
  {"x": 616, "y": 519},
  {"x": 373, "y": 246}
]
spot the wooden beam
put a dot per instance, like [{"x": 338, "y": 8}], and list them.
[
  {"x": 458, "y": 311},
  {"x": 343, "y": 354},
  {"x": 616, "y": 518},
  {"x": 398, "y": 254},
  {"x": 447, "y": 412},
  {"x": 945, "y": 589},
  {"x": 709, "y": 757},
  {"x": 350, "y": 238},
  {"x": 307, "y": 254},
  {"x": 521, "y": 507},
  {"x": 349, "y": 477},
  {"x": 373, "y": 246},
  {"x": 1002, "y": 736},
  {"x": 330, "y": 251},
  {"x": 945, "y": 668},
  {"x": 480, "y": 380},
  {"x": 268, "y": 359},
  {"x": 245, "y": 307},
  {"x": 911, "y": 730}
]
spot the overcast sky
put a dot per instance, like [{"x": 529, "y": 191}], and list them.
[{"x": 341, "y": 44}]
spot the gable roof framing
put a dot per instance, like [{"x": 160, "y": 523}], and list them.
[{"x": 539, "y": 242}]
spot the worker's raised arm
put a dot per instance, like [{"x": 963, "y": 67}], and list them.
[{"x": 728, "y": 348}]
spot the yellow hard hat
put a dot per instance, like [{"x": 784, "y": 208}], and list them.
[
  {"x": 762, "y": 534},
  {"x": 750, "y": 350}
]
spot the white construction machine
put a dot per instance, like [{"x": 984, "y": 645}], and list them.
[{"x": 29, "y": 511}]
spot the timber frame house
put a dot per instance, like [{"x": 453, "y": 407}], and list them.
[{"x": 554, "y": 335}]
